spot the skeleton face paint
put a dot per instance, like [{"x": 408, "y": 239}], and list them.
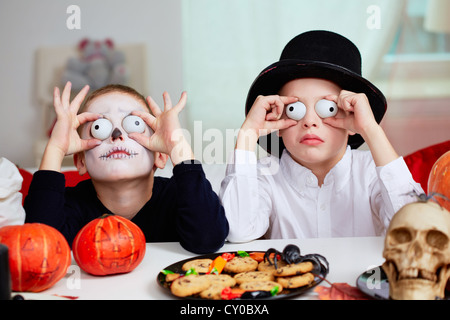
[{"x": 118, "y": 156}]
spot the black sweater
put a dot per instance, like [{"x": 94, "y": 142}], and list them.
[{"x": 183, "y": 208}]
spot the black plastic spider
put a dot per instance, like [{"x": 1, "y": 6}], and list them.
[
  {"x": 291, "y": 254},
  {"x": 422, "y": 197}
]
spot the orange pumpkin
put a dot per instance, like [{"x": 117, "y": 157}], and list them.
[
  {"x": 39, "y": 256},
  {"x": 109, "y": 245},
  {"x": 439, "y": 179}
]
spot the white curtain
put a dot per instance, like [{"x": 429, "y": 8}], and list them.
[{"x": 226, "y": 43}]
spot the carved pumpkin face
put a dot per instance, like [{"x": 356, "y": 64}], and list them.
[
  {"x": 109, "y": 245},
  {"x": 39, "y": 256}
]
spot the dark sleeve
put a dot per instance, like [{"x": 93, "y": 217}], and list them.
[
  {"x": 201, "y": 221},
  {"x": 46, "y": 203}
]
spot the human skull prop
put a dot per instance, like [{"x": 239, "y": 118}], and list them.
[{"x": 417, "y": 252}]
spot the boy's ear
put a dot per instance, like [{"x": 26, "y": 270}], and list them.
[
  {"x": 80, "y": 163},
  {"x": 160, "y": 160}
]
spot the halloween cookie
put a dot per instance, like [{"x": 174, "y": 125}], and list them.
[
  {"x": 200, "y": 265},
  {"x": 189, "y": 285},
  {"x": 260, "y": 286},
  {"x": 296, "y": 281},
  {"x": 222, "y": 279},
  {"x": 294, "y": 269},
  {"x": 240, "y": 264},
  {"x": 266, "y": 266},
  {"x": 250, "y": 276},
  {"x": 214, "y": 292}
]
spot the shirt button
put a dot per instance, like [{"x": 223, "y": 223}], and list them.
[
  {"x": 309, "y": 180},
  {"x": 323, "y": 206}
]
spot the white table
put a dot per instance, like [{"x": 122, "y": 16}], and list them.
[{"x": 348, "y": 258}]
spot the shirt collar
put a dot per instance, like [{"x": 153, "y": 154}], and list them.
[{"x": 300, "y": 177}]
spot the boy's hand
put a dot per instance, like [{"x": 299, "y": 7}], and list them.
[
  {"x": 358, "y": 117},
  {"x": 168, "y": 137},
  {"x": 65, "y": 139},
  {"x": 263, "y": 118}
]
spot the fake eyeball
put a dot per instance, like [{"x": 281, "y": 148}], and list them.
[
  {"x": 101, "y": 129},
  {"x": 133, "y": 124},
  {"x": 326, "y": 108},
  {"x": 296, "y": 110}
]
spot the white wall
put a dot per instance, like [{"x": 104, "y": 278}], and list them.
[{"x": 27, "y": 24}]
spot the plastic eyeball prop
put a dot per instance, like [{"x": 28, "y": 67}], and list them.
[
  {"x": 133, "y": 124},
  {"x": 326, "y": 108},
  {"x": 101, "y": 129},
  {"x": 296, "y": 110}
]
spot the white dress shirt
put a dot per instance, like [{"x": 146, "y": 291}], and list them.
[
  {"x": 279, "y": 198},
  {"x": 11, "y": 209}
]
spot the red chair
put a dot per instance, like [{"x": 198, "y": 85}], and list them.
[
  {"x": 421, "y": 161},
  {"x": 72, "y": 179}
]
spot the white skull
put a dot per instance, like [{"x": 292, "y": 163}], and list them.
[{"x": 417, "y": 252}]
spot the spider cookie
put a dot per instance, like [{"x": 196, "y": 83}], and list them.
[
  {"x": 250, "y": 276},
  {"x": 200, "y": 265},
  {"x": 266, "y": 266},
  {"x": 240, "y": 264},
  {"x": 260, "y": 286},
  {"x": 189, "y": 285},
  {"x": 296, "y": 281},
  {"x": 294, "y": 269}
]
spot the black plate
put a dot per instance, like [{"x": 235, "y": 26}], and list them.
[
  {"x": 286, "y": 293},
  {"x": 374, "y": 283}
]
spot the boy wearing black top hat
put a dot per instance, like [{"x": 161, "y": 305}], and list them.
[{"x": 310, "y": 111}]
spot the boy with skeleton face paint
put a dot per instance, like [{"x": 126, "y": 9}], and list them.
[{"x": 120, "y": 145}]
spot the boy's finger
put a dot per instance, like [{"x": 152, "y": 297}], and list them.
[
  {"x": 56, "y": 99},
  {"x": 76, "y": 102},
  {"x": 332, "y": 97},
  {"x": 88, "y": 116},
  {"x": 90, "y": 143},
  {"x": 154, "y": 108},
  {"x": 140, "y": 138},
  {"x": 182, "y": 102},
  {"x": 66, "y": 94},
  {"x": 280, "y": 124},
  {"x": 335, "y": 122},
  {"x": 167, "y": 101},
  {"x": 287, "y": 100},
  {"x": 147, "y": 117}
]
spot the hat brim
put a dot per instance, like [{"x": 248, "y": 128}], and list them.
[{"x": 272, "y": 79}]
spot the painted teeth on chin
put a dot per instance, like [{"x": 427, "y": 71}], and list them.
[{"x": 112, "y": 155}]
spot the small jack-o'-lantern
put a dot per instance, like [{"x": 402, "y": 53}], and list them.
[
  {"x": 417, "y": 252},
  {"x": 439, "y": 180},
  {"x": 39, "y": 256},
  {"x": 109, "y": 245}
]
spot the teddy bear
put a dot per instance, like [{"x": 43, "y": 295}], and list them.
[{"x": 99, "y": 64}]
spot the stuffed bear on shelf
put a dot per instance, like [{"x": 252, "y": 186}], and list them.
[{"x": 99, "y": 64}]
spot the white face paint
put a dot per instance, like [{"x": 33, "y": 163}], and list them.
[{"x": 118, "y": 156}]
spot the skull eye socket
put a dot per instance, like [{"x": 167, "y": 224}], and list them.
[
  {"x": 437, "y": 239},
  {"x": 400, "y": 236}
]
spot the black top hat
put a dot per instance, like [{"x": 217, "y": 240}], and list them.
[{"x": 316, "y": 54}]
